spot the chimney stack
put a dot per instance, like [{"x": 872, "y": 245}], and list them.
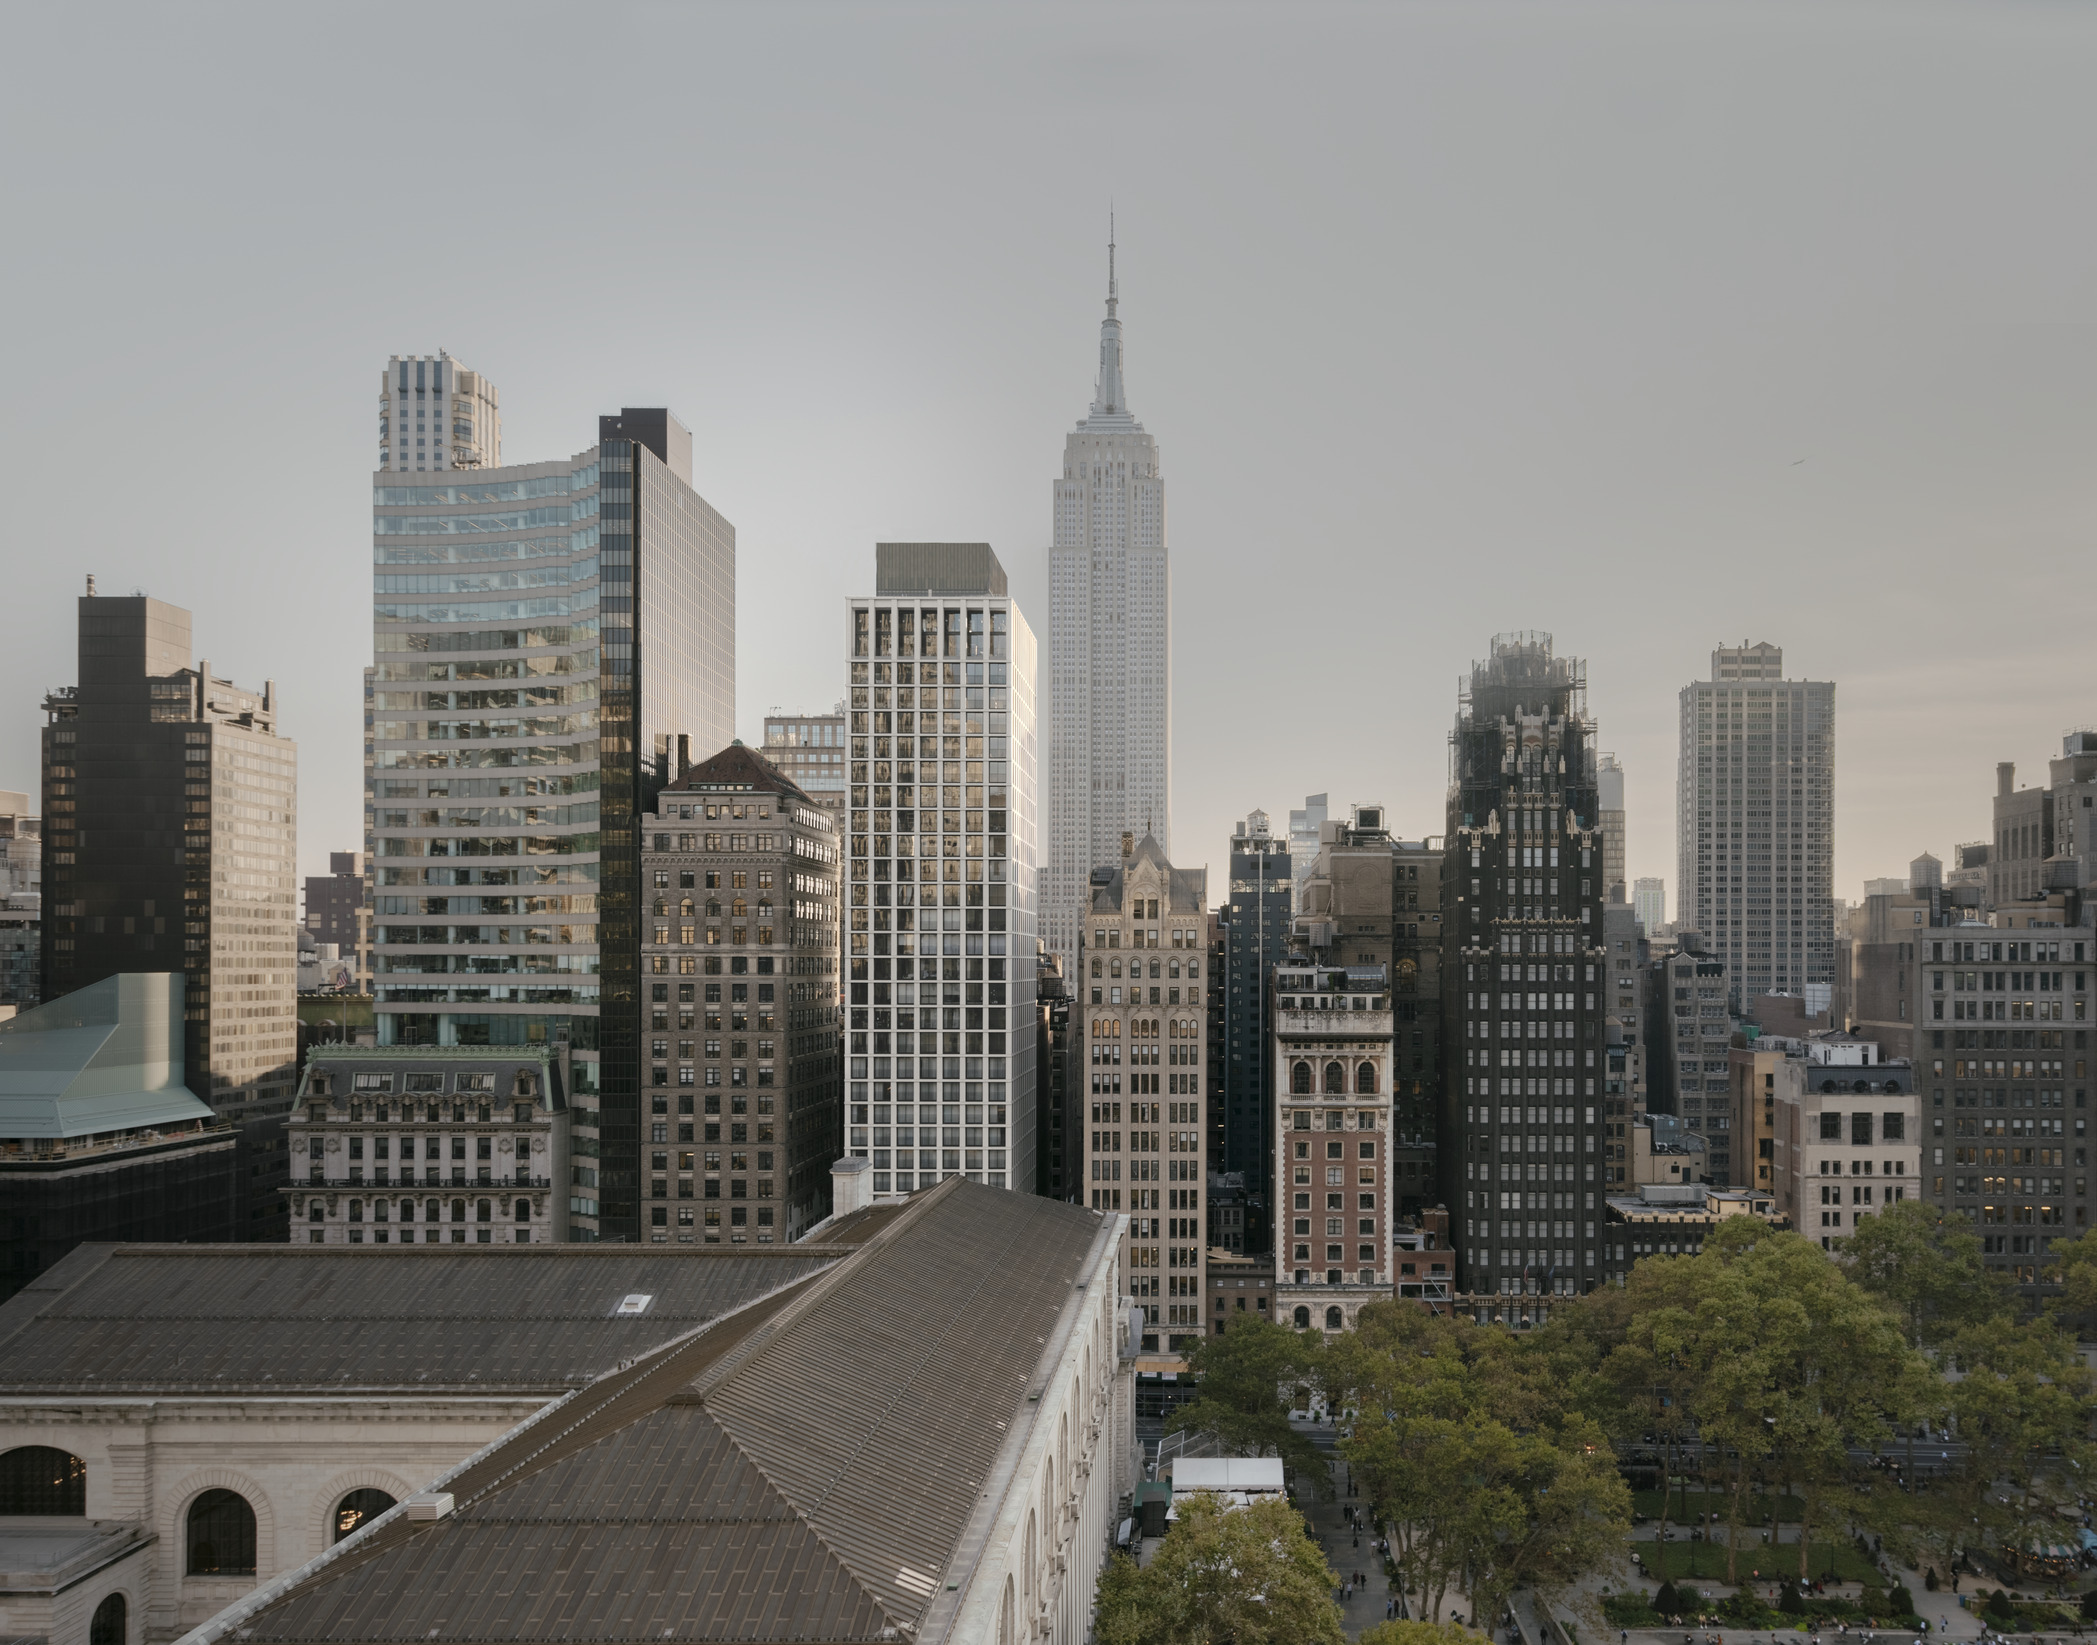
[
  {"x": 90, "y": 585},
  {"x": 851, "y": 1187},
  {"x": 2005, "y": 777},
  {"x": 684, "y": 755}
]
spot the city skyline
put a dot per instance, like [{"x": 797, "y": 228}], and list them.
[{"x": 1854, "y": 459}]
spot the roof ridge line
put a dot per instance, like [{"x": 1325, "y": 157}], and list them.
[
  {"x": 235, "y": 1616},
  {"x": 801, "y": 1517},
  {"x": 1106, "y": 1240},
  {"x": 896, "y": 1387}
]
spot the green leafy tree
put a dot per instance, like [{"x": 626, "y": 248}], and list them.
[
  {"x": 1223, "y": 1576},
  {"x": 1420, "y": 1633},
  {"x": 1926, "y": 1266},
  {"x": 1239, "y": 1400},
  {"x": 2074, "y": 1270},
  {"x": 2021, "y": 1408},
  {"x": 1471, "y": 1446},
  {"x": 1780, "y": 1362}
]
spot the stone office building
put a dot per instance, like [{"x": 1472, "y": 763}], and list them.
[
  {"x": 430, "y": 1144},
  {"x": 2003, "y": 1063},
  {"x": 739, "y": 953},
  {"x": 1370, "y": 899},
  {"x": 1145, "y": 1051},
  {"x": 1332, "y": 1191}
]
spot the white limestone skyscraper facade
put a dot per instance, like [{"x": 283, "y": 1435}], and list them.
[
  {"x": 1755, "y": 821},
  {"x": 1109, "y": 678}
]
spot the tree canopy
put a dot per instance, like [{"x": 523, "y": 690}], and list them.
[
  {"x": 1236, "y": 1576},
  {"x": 1241, "y": 1399},
  {"x": 1471, "y": 1444}
]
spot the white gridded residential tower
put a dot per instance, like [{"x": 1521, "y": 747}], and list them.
[
  {"x": 1109, "y": 680},
  {"x": 940, "y": 872},
  {"x": 1755, "y": 813}
]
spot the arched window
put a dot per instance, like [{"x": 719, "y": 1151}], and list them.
[
  {"x": 458, "y": 1210},
  {"x": 1335, "y": 1080},
  {"x": 1408, "y": 977},
  {"x": 1005, "y": 1634},
  {"x": 1300, "y": 1079},
  {"x": 35, "y": 1479},
  {"x": 1303, "y": 1319},
  {"x": 107, "y": 1628},
  {"x": 1332, "y": 1319},
  {"x": 221, "y": 1535},
  {"x": 358, "y": 1509},
  {"x": 1365, "y": 1079},
  {"x": 356, "y": 1210},
  {"x": 484, "y": 1211},
  {"x": 524, "y": 1210}
]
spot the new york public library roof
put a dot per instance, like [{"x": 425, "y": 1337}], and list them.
[{"x": 817, "y": 1463}]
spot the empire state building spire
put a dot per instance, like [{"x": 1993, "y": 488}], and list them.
[
  {"x": 1107, "y": 399},
  {"x": 1108, "y": 742}
]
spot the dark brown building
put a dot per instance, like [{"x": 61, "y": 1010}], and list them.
[{"x": 740, "y": 1021}]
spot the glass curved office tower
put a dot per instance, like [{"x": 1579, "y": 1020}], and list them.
[{"x": 543, "y": 635}]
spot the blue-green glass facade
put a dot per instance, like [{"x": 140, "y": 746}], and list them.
[{"x": 527, "y": 694}]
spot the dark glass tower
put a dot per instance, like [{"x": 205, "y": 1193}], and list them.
[
  {"x": 1523, "y": 952},
  {"x": 170, "y": 845},
  {"x": 1256, "y": 936}
]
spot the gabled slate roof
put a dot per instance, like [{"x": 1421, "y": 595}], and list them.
[
  {"x": 802, "y": 1469},
  {"x": 343, "y": 1318},
  {"x": 1187, "y": 889}
]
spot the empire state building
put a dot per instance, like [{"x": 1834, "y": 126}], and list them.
[{"x": 1109, "y": 676}]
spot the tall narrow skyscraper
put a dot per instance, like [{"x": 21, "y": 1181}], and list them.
[
  {"x": 1755, "y": 821},
  {"x": 544, "y": 634},
  {"x": 1109, "y": 680},
  {"x": 1521, "y": 961},
  {"x": 1255, "y": 922},
  {"x": 940, "y": 871}
]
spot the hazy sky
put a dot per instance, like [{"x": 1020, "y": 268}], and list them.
[{"x": 1652, "y": 326}]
